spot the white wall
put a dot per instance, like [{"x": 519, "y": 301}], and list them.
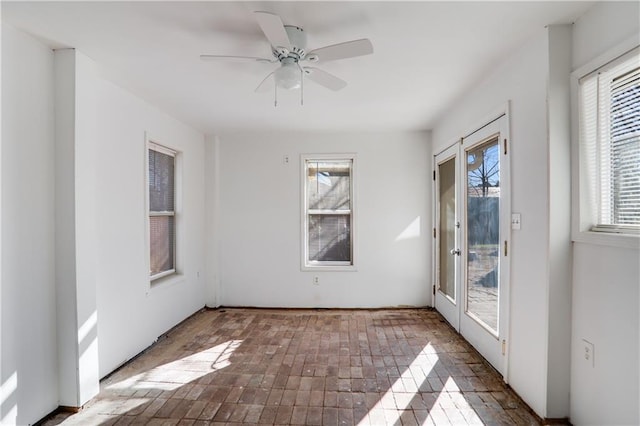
[
  {"x": 602, "y": 27},
  {"x": 103, "y": 262},
  {"x": 131, "y": 315},
  {"x": 29, "y": 361},
  {"x": 606, "y": 280},
  {"x": 522, "y": 79},
  {"x": 605, "y": 313},
  {"x": 260, "y": 218}
]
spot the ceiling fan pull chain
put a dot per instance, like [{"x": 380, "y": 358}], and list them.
[
  {"x": 275, "y": 96},
  {"x": 301, "y": 86}
]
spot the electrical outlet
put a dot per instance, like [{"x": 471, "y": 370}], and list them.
[
  {"x": 285, "y": 159},
  {"x": 316, "y": 280},
  {"x": 588, "y": 352}
]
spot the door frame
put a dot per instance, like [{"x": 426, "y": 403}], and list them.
[
  {"x": 505, "y": 227},
  {"x": 491, "y": 345}
]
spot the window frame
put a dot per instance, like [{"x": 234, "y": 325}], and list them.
[
  {"x": 306, "y": 264},
  {"x": 584, "y": 228},
  {"x": 151, "y": 144}
]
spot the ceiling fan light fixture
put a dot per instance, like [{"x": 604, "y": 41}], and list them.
[
  {"x": 288, "y": 76},
  {"x": 289, "y": 48}
]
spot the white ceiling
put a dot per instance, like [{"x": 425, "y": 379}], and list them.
[{"x": 426, "y": 56}]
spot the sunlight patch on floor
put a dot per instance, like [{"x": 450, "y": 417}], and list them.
[
  {"x": 454, "y": 404},
  {"x": 174, "y": 374},
  {"x": 398, "y": 398}
]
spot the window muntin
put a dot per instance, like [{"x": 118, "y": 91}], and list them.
[
  {"x": 328, "y": 211},
  {"x": 162, "y": 223},
  {"x": 609, "y": 132}
]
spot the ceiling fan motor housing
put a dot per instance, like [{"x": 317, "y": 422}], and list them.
[
  {"x": 298, "y": 40},
  {"x": 288, "y": 47}
]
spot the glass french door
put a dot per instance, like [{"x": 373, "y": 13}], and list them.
[
  {"x": 472, "y": 235},
  {"x": 447, "y": 228}
]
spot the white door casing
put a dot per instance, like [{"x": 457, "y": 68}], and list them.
[{"x": 479, "y": 309}]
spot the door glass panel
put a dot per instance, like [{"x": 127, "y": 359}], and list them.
[
  {"x": 483, "y": 232},
  {"x": 447, "y": 230}
]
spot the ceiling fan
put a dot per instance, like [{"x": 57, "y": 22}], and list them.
[{"x": 288, "y": 48}]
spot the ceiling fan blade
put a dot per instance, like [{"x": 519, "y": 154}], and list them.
[
  {"x": 348, "y": 49},
  {"x": 325, "y": 79},
  {"x": 235, "y": 58},
  {"x": 273, "y": 29},
  {"x": 265, "y": 84}
]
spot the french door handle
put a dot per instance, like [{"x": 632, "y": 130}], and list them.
[{"x": 455, "y": 251}]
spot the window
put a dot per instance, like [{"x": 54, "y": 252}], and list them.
[
  {"x": 328, "y": 226},
  {"x": 162, "y": 215},
  {"x": 609, "y": 134}
]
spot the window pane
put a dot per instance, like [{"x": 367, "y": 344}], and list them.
[
  {"x": 162, "y": 238},
  {"x": 161, "y": 182},
  {"x": 626, "y": 182},
  {"x": 625, "y": 149},
  {"x": 483, "y": 232},
  {"x": 446, "y": 275},
  {"x": 329, "y": 185},
  {"x": 330, "y": 238}
]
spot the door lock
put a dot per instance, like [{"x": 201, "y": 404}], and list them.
[{"x": 455, "y": 251}]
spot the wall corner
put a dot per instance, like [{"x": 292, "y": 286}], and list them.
[
  {"x": 212, "y": 203},
  {"x": 559, "y": 217},
  {"x": 75, "y": 231}
]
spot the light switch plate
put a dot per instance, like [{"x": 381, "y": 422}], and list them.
[{"x": 515, "y": 221}]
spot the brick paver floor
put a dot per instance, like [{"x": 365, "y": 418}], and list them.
[{"x": 306, "y": 367}]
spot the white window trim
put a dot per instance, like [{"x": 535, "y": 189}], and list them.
[
  {"x": 583, "y": 220},
  {"x": 174, "y": 275},
  {"x": 327, "y": 266}
]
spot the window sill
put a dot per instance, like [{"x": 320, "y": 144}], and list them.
[
  {"x": 166, "y": 281},
  {"x": 331, "y": 268},
  {"x": 611, "y": 239}
]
